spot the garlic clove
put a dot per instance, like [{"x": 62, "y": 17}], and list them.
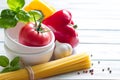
[{"x": 62, "y": 50}]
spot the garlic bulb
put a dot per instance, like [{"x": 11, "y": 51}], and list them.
[{"x": 62, "y": 50}]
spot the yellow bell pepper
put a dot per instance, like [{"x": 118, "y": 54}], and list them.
[{"x": 41, "y": 5}]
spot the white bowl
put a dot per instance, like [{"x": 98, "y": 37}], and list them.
[
  {"x": 30, "y": 55},
  {"x": 31, "y": 59},
  {"x": 11, "y": 41}
]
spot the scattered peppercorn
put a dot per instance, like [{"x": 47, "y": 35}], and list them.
[
  {"x": 86, "y": 71},
  {"x": 91, "y": 55},
  {"x": 92, "y": 64},
  {"x": 92, "y": 73},
  {"x": 103, "y": 70},
  {"x": 78, "y": 73},
  {"x": 98, "y": 62},
  {"x": 108, "y": 68},
  {"x": 110, "y": 71},
  {"x": 83, "y": 71}
]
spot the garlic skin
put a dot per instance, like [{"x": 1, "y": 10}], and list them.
[{"x": 62, "y": 50}]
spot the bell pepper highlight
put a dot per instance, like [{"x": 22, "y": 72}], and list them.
[{"x": 60, "y": 23}]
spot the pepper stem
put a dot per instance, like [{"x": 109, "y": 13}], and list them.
[{"x": 75, "y": 26}]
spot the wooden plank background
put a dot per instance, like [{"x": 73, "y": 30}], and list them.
[{"x": 99, "y": 33}]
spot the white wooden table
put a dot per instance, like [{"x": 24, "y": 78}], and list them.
[{"x": 99, "y": 33}]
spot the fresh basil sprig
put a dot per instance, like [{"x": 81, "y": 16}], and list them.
[
  {"x": 4, "y": 61},
  {"x": 9, "y": 65},
  {"x": 36, "y": 14},
  {"x": 16, "y": 5},
  {"x": 23, "y": 16},
  {"x": 10, "y": 17}
]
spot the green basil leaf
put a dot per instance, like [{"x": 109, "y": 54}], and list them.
[
  {"x": 36, "y": 14},
  {"x": 8, "y": 22},
  {"x": 15, "y": 61},
  {"x": 23, "y": 16},
  {"x": 16, "y": 5},
  {"x": 7, "y": 69},
  {"x": 16, "y": 67},
  {"x": 10, "y": 68},
  {"x": 7, "y": 13},
  {"x": 4, "y": 61}
]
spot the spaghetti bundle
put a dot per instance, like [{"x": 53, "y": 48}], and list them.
[{"x": 56, "y": 67}]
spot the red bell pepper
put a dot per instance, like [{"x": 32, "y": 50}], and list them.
[{"x": 60, "y": 23}]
